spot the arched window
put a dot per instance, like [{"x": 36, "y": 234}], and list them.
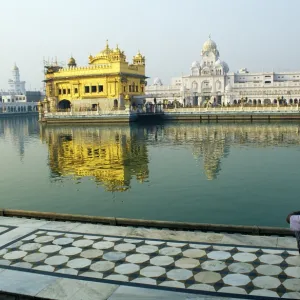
[
  {"x": 218, "y": 85},
  {"x": 194, "y": 86}
]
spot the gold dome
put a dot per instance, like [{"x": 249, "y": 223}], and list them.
[
  {"x": 106, "y": 50},
  {"x": 72, "y": 61},
  {"x": 138, "y": 55},
  {"x": 117, "y": 49},
  {"x": 209, "y": 45}
]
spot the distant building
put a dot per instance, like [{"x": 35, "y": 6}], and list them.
[
  {"x": 211, "y": 83},
  {"x": 17, "y": 91},
  {"x": 15, "y": 99},
  {"x": 16, "y": 86},
  {"x": 108, "y": 82}
]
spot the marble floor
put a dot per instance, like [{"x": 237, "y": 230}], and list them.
[
  {"x": 4, "y": 229},
  {"x": 191, "y": 265}
]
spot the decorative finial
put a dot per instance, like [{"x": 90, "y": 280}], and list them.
[
  {"x": 209, "y": 36},
  {"x": 106, "y": 43}
]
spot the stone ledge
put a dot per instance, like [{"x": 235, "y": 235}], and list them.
[{"x": 252, "y": 230}]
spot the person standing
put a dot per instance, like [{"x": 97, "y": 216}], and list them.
[{"x": 294, "y": 220}]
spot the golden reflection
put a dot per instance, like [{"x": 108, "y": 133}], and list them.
[
  {"x": 115, "y": 154},
  {"x": 112, "y": 155}
]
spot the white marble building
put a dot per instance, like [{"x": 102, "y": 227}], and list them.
[
  {"x": 211, "y": 83},
  {"x": 16, "y": 86},
  {"x": 17, "y": 91}
]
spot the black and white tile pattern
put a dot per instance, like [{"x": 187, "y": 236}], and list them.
[
  {"x": 6, "y": 228},
  {"x": 238, "y": 271}
]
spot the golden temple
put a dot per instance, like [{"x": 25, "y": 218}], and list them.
[{"x": 108, "y": 82}]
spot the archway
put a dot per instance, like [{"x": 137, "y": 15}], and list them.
[
  {"x": 259, "y": 101},
  {"x": 291, "y": 101},
  {"x": 64, "y": 104},
  {"x": 115, "y": 104},
  {"x": 295, "y": 101},
  {"x": 267, "y": 101},
  {"x": 254, "y": 102},
  {"x": 234, "y": 102}
]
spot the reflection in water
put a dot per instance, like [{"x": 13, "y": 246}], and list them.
[
  {"x": 212, "y": 142},
  {"x": 18, "y": 130},
  {"x": 112, "y": 154}
]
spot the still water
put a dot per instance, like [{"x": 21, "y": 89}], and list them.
[{"x": 230, "y": 173}]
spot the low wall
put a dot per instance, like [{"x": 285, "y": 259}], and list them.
[
  {"x": 89, "y": 117},
  {"x": 255, "y": 230},
  {"x": 197, "y": 113},
  {"x": 233, "y": 113}
]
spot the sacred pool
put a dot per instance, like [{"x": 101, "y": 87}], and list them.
[{"x": 227, "y": 173}]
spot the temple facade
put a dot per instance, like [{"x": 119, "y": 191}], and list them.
[
  {"x": 211, "y": 84},
  {"x": 108, "y": 82}
]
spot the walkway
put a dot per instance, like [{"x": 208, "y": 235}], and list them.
[{"x": 62, "y": 260}]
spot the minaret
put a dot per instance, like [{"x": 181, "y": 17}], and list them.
[
  {"x": 16, "y": 86},
  {"x": 16, "y": 74}
]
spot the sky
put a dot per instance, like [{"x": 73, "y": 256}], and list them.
[{"x": 256, "y": 34}]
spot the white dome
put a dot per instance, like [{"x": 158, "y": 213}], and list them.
[
  {"x": 195, "y": 64},
  {"x": 223, "y": 64},
  {"x": 157, "y": 81},
  {"x": 218, "y": 63}
]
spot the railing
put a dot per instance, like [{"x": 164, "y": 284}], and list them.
[{"x": 235, "y": 109}]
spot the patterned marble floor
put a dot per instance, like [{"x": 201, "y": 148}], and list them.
[
  {"x": 4, "y": 229},
  {"x": 224, "y": 270}
]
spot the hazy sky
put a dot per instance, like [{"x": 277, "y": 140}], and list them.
[{"x": 257, "y": 34}]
